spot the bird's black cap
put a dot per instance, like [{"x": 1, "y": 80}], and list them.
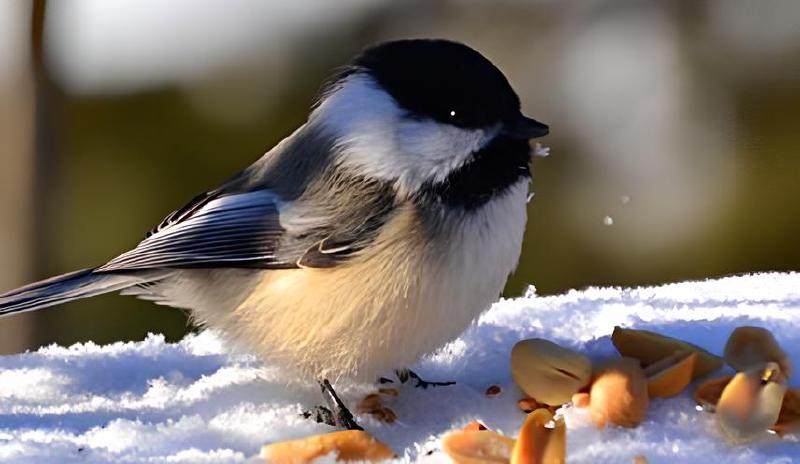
[{"x": 447, "y": 81}]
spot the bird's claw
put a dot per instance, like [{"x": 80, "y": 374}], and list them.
[
  {"x": 320, "y": 415},
  {"x": 405, "y": 375}
]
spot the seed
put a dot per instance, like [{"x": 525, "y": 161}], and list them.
[{"x": 493, "y": 390}]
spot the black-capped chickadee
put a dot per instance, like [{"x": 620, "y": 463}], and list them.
[{"x": 372, "y": 235}]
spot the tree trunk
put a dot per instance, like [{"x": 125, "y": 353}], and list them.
[{"x": 17, "y": 174}]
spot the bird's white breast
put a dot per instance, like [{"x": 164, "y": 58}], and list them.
[{"x": 404, "y": 297}]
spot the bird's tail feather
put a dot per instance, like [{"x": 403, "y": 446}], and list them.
[{"x": 64, "y": 288}]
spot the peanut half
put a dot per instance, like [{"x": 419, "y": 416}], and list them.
[
  {"x": 548, "y": 372},
  {"x": 618, "y": 394},
  {"x": 751, "y": 403},
  {"x": 650, "y": 347},
  {"x": 750, "y": 347},
  {"x": 708, "y": 395},
  {"x": 477, "y": 447},
  {"x": 789, "y": 418},
  {"x": 348, "y": 445},
  {"x": 671, "y": 375},
  {"x": 542, "y": 440}
]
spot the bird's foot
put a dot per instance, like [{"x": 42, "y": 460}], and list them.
[
  {"x": 336, "y": 414},
  {"x": 404, "y": 375},
  {"x": 320, "y": 415}
]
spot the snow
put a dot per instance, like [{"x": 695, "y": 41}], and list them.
[{"x": 193, "y": 402}]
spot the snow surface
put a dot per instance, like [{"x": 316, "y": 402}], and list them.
[{"x": 192, "y": 402}]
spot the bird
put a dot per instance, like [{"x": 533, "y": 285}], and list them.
[{"x": 372, "y": 235}]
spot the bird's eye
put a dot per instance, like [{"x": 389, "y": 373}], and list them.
[{"x": 455, "y": 116}]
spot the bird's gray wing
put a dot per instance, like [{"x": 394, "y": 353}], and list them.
[
  {"x": 220, "y": 229},
  {"x": 213, "y": 230}
]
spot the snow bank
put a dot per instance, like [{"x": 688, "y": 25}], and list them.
[{"x": 190, "y": 402}]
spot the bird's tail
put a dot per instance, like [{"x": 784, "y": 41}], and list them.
[{"x": 64, "y": 288}]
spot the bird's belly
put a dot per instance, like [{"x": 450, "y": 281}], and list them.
[{"x": 384, "y": 309}]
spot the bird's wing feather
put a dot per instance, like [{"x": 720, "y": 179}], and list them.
[
  {"x": 213, "y": 230},
  {"x": 244, "y": 230}
]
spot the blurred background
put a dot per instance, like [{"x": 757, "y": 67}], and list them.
[{"x": 675, "y": 146}]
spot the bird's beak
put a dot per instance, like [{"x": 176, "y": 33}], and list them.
[{"x": 524, "y": 128}]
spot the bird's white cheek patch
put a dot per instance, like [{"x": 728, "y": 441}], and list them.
[
  {"x": 378, "y": 138},
  {"x": 433, "y": 150}
]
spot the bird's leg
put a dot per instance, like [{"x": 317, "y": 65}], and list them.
[
  {"x": 404, "y": 375},
  {"x": 342, "y": 417}
]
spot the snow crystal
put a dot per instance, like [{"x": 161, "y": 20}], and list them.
[
  {"x": 193, "y": 402},
  {"x": 541, "y": 150}
]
